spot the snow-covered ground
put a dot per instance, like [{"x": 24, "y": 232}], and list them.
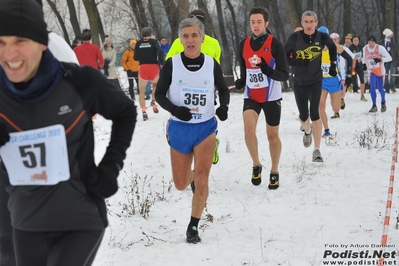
[{"x": 332, "y": 209}]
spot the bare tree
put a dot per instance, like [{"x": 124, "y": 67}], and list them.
[
  {"x": 294, "y": 11},
  {"x": 208, "y": 22},
  {"x": 73, "y": 17},
  {"x": 276, "y": 20},
  {"x": 153, "y": 16},
  {"x": 309, "y": 5},
  {"x": 130, "y": 16},
  {"x": 92, "y": 14},
  {"x": 175, "y": 14},
  {"x": 347, "y": 17},
  {"x": 262, "y": 3},
  {"x": 388, "y": 15},
  {"x": 235, "y": 26},
  {"x": 227, "y": 56},
  {"x": 139, "y": 12},
  {"x": 60, "y": 20}
]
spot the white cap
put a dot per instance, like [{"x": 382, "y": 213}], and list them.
[
  {"x": 334, "y": 35},
  {"x": 387, "y": 32}
]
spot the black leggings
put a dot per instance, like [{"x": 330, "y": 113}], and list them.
[
  {"x": 67, "y": 248},
  {"x": 360, "y": 73},
  {"x": 131, "y": 77},
  {"x": 305, "y": 93}
]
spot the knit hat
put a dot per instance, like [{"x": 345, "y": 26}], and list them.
[
  {"x": 349, "y": 36},
  {"x": 133, "y": 42},
  {"x": 23, "y": 18},
  {"x": 387, "y": 32},
  {"x": 372, "y": 38},
  {"x": 107, "y": 40}
]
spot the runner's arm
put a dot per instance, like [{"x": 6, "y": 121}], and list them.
[
  {"x": 165, "y": 79},
  {"x": 220, "y": 84},
  {"x": 280, "y": 73}
]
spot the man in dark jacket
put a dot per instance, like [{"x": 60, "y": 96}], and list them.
[
  {"x": 303, "y": 50},
  {"x": 55, "y": 190}
]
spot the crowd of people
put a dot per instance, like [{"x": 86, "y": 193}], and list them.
[{"x": 52, "y": 208}]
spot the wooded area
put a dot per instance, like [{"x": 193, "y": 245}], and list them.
[{"x": 227, "y": 20}]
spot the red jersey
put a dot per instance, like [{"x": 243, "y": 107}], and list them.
[{"x": 260, "y": 87}]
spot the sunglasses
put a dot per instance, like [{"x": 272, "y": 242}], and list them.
[{"x": 197, "y": 16}]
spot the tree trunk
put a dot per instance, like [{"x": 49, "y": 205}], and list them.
[
  {"x": 309, "y": 5},
  {"x": 173, "y": 16},
  {"x": 74, "y": 18},
  {"x": 92, "y": 17},
  {"x": 99, "y": 22},
  {"x": 277, "y": 22},
  {"x": 347, "y": 18},
  {"x": 139, "y": 12},
  {"x": 395, "y": 24},
  {"x": 235, "y": 26},
  {"x": 389, "y": 16},
  {"x": 59, "y": 18},
  {"x": 156, "y": 28},
  {"x": 262, "y": 3},
  {"x": 279, "y": 29},
  {"x": 209, "y": 30},
  {"x": 294, "y": 11},
  {"x": 227, "y": 56},
  {"x": 329, "y": 18}
]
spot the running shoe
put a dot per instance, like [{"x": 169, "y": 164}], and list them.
[
  {"x": 336, "y": 115},
  {"x": 373, "y": 109},
  {"x": 383, "y": 107},
  {"x": 307, "y": 139},
  {"x": 192, "y": 235},
  {"x": 362, "y": 98},
  {"x": 145, "y": 116},
  {"x": 154, "y": 107},
  {"x": 342, "y": 104},
  {"x": 256, "y": 175},
  {"x": 317, "y": 156},
  {"x": 273, "y": 181},
  {"x": 215, "y": 159}
]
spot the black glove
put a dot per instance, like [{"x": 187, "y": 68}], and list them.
[
  {"x": 221, "y": 112},
  {"x": 103, "y": 179},
  {"x": 302, "y": 62},
  {"x": 239, "y": 84},
  {"x": 377, "y": 60},
  {"x": 264, "y": 67},
  {"x": 4, "y": 135},
  {"x": 183, "y": 113},
  {"x": 348, "y": 81},
  {"x": 333, "y": 70},
  {"x": 364, "y": 67}
]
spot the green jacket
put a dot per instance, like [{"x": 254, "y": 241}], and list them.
[{"x": 210, "y": 47}]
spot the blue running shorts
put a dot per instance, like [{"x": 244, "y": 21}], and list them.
[
  {"x": 183, "y": 137},
  {"x": 332, "y": 85}
]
